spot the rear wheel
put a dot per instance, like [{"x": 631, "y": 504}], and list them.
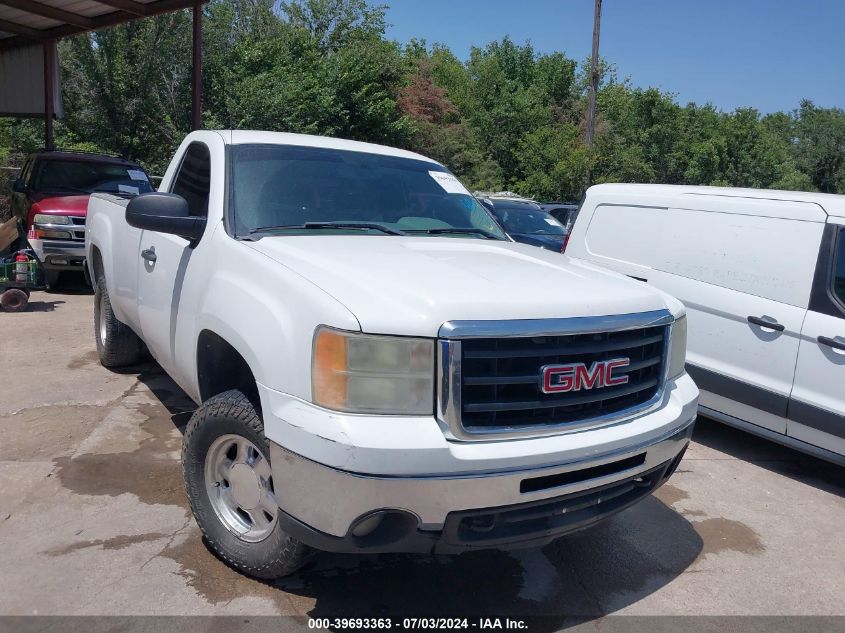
[
  {"x": 117, "y": 344},
  {"x": 14, "y": 300},
  {"x": 226, "y": 465}
]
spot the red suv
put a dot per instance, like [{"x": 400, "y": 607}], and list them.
[{"x": 51, "y": 197}]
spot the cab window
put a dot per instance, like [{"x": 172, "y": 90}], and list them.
[
  {"x": 194, "y": 178},
  {"x": 839, "y": 269}
]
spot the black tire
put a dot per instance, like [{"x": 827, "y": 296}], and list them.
[
  {"x": 51, "y": 278},
  {"x": 117, "y": 344},
  {"x": 231, "y": 412},
  {"x": 14, "y": 300}
]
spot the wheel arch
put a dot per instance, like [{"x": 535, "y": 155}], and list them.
[
  {"x": 221, "y": 367},
  {"x": 95, "y": 264}
]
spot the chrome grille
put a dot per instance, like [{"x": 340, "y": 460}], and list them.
[
  {"x": 78, "y": 228},
  {"x": 494, "y": 383}
]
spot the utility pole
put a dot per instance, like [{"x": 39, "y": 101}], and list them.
[
  {"x": 196, "y": 68},
  {"x": 594, "y": 76}
]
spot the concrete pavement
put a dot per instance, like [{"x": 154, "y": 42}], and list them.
[{"x": 94, "y": 520}]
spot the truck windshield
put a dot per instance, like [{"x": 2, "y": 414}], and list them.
[
  {"x": 298, "y": 190},
  {"x": 85, "y": 176},
  {"x": 529, "y": 222}
]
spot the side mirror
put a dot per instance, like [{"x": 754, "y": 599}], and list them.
[
  {"x": 18, "y": 186},
  {"x": 164, "y": 213}
]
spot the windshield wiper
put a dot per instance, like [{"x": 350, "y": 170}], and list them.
[
  {"x": 329, "y": 225},
  {"x": 472, "y": 231},
  {"x": 352, "y": 225}
]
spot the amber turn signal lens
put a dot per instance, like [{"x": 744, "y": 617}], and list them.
[{"x": 330, "y": 375}]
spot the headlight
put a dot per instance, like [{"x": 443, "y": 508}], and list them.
[
  {"x": 361, "y": 373},
  {"x": 42, "y": 234},
  {"x": 42, "y": 218},
  {"x": 678, "y": 350}
]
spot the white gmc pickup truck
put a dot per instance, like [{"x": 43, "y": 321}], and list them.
[{"x": 378, "y": 368}]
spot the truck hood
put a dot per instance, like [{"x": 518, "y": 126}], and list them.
[
  {"x": 76, "y": 205},
  {"x": 411, "y": 286}
]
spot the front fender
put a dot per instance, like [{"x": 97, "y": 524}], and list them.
[{"x": 268, "y": 313}]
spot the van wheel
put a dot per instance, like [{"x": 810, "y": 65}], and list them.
[
  {"x": 226, "y": 466},
  {"x": 117, "y": 344}
]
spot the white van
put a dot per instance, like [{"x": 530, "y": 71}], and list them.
[{"x": 762, "y": 274}]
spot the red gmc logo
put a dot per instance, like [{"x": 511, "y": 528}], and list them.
[{"x": 576, "y": 376}]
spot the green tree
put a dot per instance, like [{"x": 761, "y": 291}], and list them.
[
  {"x": 127, "y": 89},
  {"x": 438, "y": 131},
  {"x": 820, "y": 146},
  {"x": 334, "y": 24},
  {"x": 507, "y": 117},
  {"x": 511, "y": 94},
  {"x": 555, "y": 163}
]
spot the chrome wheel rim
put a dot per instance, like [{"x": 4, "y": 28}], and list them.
[
  {"x": 239, "y": 483},
  {"x": 101, "y": 321}
]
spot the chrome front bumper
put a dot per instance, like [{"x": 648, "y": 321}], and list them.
[
  {"x": 60, "y": 254},
  {"x": 321, "y": 505}
]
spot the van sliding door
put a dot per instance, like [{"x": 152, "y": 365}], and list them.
[{"x": 817, "y": 406}]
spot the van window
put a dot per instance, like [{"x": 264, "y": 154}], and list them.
[
  {"x": 839, "y": 269},
  {"x": 768, "y": 257},
  {"x": 194, "y": 177}
]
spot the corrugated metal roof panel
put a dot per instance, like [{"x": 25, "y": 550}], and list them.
[
  {"x": 27, "y": 19},
  {"x": 88, "y": 8}
]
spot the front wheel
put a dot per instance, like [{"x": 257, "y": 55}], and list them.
[{"x": 226, "y": 466}]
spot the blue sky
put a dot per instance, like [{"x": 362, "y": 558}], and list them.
[{"x": 768, "y": 54}]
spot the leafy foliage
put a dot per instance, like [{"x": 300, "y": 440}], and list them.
[{"x": 506, "y": 118}]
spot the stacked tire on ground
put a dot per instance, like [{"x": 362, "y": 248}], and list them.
[{"x": 14, "y": 299}]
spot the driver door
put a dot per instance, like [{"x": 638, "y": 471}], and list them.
[{"x": 164, "y": 260}]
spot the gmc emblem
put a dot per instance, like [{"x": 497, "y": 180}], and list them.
[{"x": 576, "y": 376}]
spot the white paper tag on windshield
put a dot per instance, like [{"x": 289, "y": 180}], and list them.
[
  {"x": 552, "y": 221},
  {"x": 128, "y": 189},
  {"x": 448, "y": 182},
  {"x": 136, "y": 174}
]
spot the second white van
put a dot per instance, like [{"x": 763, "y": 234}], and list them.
[{"x": 762, "y": 274}]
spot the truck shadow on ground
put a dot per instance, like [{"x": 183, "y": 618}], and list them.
[
  {"x": 773, "y": 457},
  {"x": 71, "y": 282},
  {"x": 578, "y": 577}
]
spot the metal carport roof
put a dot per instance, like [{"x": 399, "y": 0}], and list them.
[{"x": 27, "y": 22}]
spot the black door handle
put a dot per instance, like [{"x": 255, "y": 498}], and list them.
[
  {"x": 772, "y": 325},
  {"x": 149, "y": 254},
  {"x": 831, "y": 342}
]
